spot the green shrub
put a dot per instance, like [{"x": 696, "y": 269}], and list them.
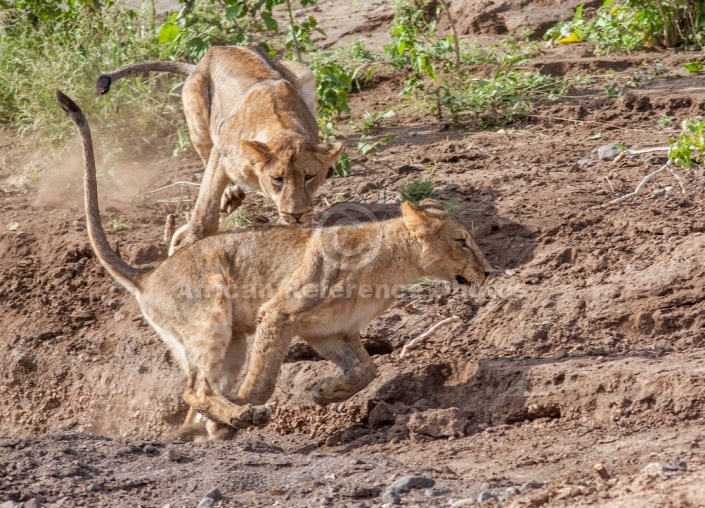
[
  {"x": 418, "y": 189},
  {"x": 635, "y": 24},
  {"x": 39, "y": 55}
]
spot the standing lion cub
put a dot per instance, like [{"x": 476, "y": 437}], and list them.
[
  {"x": 252, "y": 119},
  {"x": 233, "y": 302}
]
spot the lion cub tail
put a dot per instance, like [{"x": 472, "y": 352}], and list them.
[
  {"x": 127, "y": 275},
  {"x": 102, "y": 84}
]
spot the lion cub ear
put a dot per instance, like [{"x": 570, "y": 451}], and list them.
[
  {"x": 329, "y": 153},
  {"x": 254, "y": 152},
  {"x": 433, "y": 208},
  {"x": 419, "y": 221}
]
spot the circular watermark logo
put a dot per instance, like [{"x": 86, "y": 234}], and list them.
[{"x": 349, "y": 236}]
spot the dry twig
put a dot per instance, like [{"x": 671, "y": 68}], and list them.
[
  {"x": 640, "y": 186},
  {"x": 414, "y": 343},
  {"x": 182, "y": 183}
]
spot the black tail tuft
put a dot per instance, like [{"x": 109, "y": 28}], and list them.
[
  {"x": 102, "y": 84},
  {"x": 66, "y": 104}
]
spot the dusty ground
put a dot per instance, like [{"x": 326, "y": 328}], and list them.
[{"x": 587, "y": 348}]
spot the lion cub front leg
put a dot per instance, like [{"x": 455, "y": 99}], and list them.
[
  {"x": 205, "y": 215},
  {"x": 232, "y": 199},
  {"x": 348, "y": 353},
  {"x": 216, "y": 407}
]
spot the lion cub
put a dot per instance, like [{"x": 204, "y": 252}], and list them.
[
  {"x": 252, "y": 119},
  {"x": 274, "y": 283}
]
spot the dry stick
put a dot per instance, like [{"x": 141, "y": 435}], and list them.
[
  {"x": 640, "y": 186},
  {"x": 629, "y": 151},
  {"x": 679, "y": 179},
  {"x": 424, "y": 336},
  {"x": 173, "y": 185},
  {"x": 455, "y": 34},
  {"x": 293, "y": 31}
]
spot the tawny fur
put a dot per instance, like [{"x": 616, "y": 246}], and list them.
[
  {"x": 271, "y": 283},
  {"x": 252, "y": 120}
]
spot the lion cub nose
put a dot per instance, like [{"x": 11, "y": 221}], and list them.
[{"x": 297, "y": 216}]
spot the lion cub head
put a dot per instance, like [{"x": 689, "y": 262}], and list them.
[
  {"x": 290, "y": 169},
  {"x": 449, "y": 251}
]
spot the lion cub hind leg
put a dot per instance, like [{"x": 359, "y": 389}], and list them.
[{"x": 348, "y": 353}]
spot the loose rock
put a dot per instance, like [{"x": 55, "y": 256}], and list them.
[
  {"x": 407, "y": 483},
  {"x": 390, "y": 497},
  {"x": 215, "y": 494},
  {"x": 437, "y": 423},
  {"x": 676, "y": 465},
  {"x": 508, "y": 492},
  {"x": 485, "y": 496},
  {"x": 206, "y": 502},
  {"x": 653, "y": 469},
  {"x": 608, "y": 152},
  {"x": 382, "y": 414}
]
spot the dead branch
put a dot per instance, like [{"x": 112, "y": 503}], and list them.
[
  {"x": 678, "y": 179},
  {"x": 640, "y": 186},
  {"x": 182, "y": 183},
  {"x": 414, "y": 343}
]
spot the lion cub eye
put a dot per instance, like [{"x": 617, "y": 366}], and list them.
[
  {"x": 278, "y": 180},
  {"x": 463, "y": 244},
  {"x": 308, "y": 178}
]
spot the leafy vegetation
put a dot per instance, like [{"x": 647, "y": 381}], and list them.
[
  {"x": 455, "y": 93},
  {"x": 39, "y": 54},
  {"x": 627, "y": 25},
  {"x": 689, "y": 147},
  {"x": 418, "y": 189}
]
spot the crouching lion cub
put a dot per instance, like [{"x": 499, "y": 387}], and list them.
[
  {"x": 272, "y": 283},
  {"x": 252, "y": 119}
]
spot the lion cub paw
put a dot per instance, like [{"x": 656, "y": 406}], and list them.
[
  {"x": 232, "y": 199},
  {"x": 251, "y": 416},
  {"x": 329, "y": 390}
]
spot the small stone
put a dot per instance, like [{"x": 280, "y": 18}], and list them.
[
  {"x": 608, "y": 152},
  {"x": 407, "y": 483},
  {"x": 8, "y": 504},
  {"x": 33, "y": 503},
  {"x": 676, "y": 465},
  {"x": 116, "y": 303},
  {"x": 657, "y": 193},
  {"x": 460, "y": 503},
  {"x": 215, "y": 494},
  {"x": 653, "y": 469},
  {"x": 508, "y": 492},
  {"x": 93, "y": 487},
  {"x": 533, "y": 484},
  {"x": 174, "y": 456},
  {"x": 437, "y": 423},
  {"x": 485, "y": 496},
  {"x": 658, "y": 160},
  {"x": 382, "y": 414},
  {"x": 485, "y": 486},
  {"x": 390, "y": 497},
  {"x": 206, "y": 502}
]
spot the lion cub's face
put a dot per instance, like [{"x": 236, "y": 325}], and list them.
[
  {"x": 449, "y": 250},
  {"x": 290, "y": 170}
]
